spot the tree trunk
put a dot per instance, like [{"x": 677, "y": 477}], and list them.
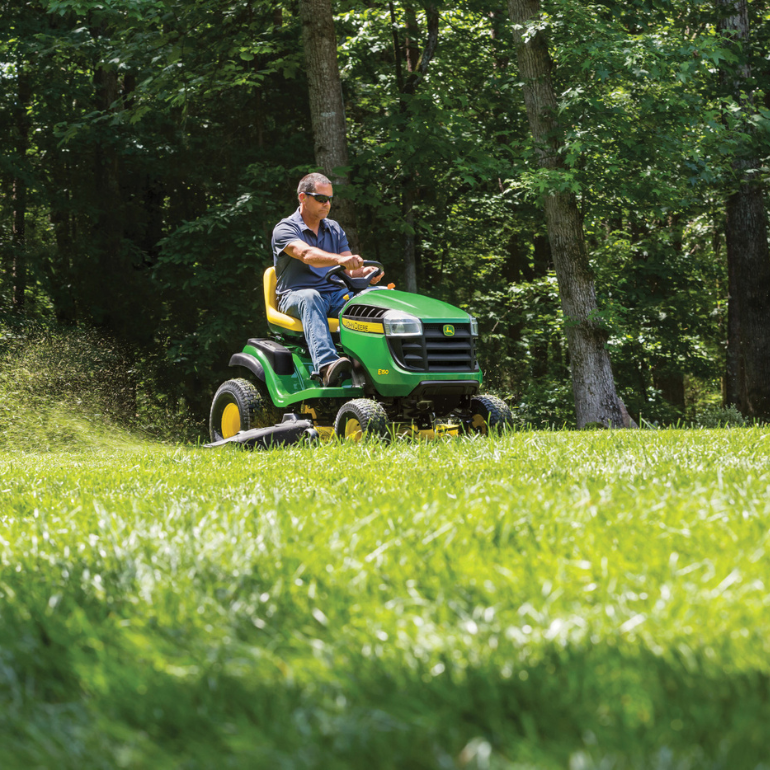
[
  {"x": 410, "y": 261},
  {"x": 122, "y": 298},
  {"x": 748, "y": 258},
  {"x": 407, "y": 193},
  {"x": 593, "y": 387},
  {"x": 541, "y": 265},
  {"x": 59, "y": 268},
  {"x": 671, "y": 387},
  {"x": 412, "y": 48},
  {"x": 735, "y": 385},
  {"x": 327, "y": 111},
  {"x": 746, "y": 241},
  {"x": 417, "y": 66},
  {"x": 18, "y": 226},
  {"x": 18, "y": 251},
  {"x": 111, "y": 279}
]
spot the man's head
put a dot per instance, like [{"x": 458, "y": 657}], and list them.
[
  {"x": 315, "y": 195},
  {"x": 311, "y": 182}
]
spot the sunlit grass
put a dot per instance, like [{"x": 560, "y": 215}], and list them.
[{"x": 536, "y": 600}]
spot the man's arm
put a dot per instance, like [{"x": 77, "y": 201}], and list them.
[{"x": 311, "y": 255}]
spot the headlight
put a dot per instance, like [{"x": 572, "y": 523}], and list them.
[
  {"x": 474, "y": 327},
  {"x": 401, "y": 324}
]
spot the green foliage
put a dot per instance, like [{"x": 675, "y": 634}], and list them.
[
  {"x": 165, "y": 139},
  {"x": 210, "y": 275},
  {"x": 721, "y": 417},
  {"x": 540, "y": 599},
  {"x": 546, "y": 404},
  {"x": 519, "y": 324}
]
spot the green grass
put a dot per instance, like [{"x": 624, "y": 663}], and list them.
[{"x": 575, "y": 600}]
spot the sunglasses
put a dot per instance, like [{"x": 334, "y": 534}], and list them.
[{"x": 321, "y": 198}]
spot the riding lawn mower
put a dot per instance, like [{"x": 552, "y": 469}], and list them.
[{"x": 415, "y": 373}]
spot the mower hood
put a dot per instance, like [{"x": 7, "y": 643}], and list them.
[{"x": 425, "y": 308}]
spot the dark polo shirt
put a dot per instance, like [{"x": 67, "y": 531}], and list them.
[{"x": 293, "y": 274}]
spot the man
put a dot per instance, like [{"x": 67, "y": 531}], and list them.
[{"x": 306, "y": 246}]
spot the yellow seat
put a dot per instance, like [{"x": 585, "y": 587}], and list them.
[{"x": 276, "y": 318}]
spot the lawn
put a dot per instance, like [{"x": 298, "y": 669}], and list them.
[{"x": 538, "y": 600}]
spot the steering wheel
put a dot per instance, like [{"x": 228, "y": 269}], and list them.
[{"x": 339, "y": 277}]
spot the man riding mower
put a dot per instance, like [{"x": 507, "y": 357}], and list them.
[{"x": 414, "y": 372}]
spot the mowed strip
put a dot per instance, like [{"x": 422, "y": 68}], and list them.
[{"x": 538, "y": 596}]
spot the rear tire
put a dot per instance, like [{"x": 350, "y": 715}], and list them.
[
  {"x": 361, "y": 419},
  {"x": 240, "y": 405},
  {"x": 488, "y": 412}
]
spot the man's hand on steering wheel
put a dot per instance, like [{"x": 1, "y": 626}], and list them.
[
  {"x": 351, "y": 262},
  {"x": 364, "y": 271},
  {"x": 356, "y": 279}
]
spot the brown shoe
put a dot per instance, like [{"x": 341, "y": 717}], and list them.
[{"x": 333, "y": 373}]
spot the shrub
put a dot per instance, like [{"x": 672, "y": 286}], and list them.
[{"x": 720, "y": 417}]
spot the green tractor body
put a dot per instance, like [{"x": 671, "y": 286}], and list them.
[{"x": 414, "y": 369}]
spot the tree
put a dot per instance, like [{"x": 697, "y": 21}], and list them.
[
  {"x": 417, "y": 66},
  {"x": 16, "y": 54},
  {"x": 327, "y": 110},
  {"x": 746, "y": 239},
  {"x": 21, "y": 132},
  {"x": 165, "y": 139},
  {"x": 592, "y": 382}
]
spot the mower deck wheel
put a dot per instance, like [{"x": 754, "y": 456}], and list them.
[
  {"x": 488, "y": 412},
  {"x": 360, "y": 419}
]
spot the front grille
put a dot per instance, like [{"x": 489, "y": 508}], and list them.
[
  {"x": 434, "y": 352},
  {"x": 365, "y": 312}
]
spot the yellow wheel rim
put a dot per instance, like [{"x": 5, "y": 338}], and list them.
[
  {"x": 478, "y": 423},
  {"x": 353, "y": 430},
  {"x": 231, "y": 421}
]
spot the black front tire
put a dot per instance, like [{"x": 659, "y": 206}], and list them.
[
  {"x": 489, "y": 412},
  {"x": 360, "y": 419},
  {"x": 240, "y": 405}
]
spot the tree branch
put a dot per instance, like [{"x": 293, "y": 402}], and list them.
[
  {"x": 396, "y": 51},
  {"x": 427, "y": 53}
]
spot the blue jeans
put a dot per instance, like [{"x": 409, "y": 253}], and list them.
[{"x": 313, "y": 308}]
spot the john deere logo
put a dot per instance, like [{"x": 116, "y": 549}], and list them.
[{"x": 449, "y": 330}]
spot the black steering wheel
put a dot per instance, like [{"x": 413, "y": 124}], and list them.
[{"x": 339, "y": 277}]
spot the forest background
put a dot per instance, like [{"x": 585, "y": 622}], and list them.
[{"x": 148, "y": 147}]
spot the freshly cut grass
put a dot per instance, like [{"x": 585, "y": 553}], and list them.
[
  {"x": 65, "y": 389},
  {"x": 581, "y": 600}
]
